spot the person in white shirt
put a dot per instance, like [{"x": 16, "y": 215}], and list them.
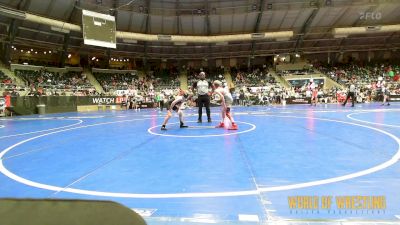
[
  {"x": 203, "y": 98},
  {"x": 138, "y": 101},
  {"x": 351, "y": 93},
  {"x": 226, "y": 104}
]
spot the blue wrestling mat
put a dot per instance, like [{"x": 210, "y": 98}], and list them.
[{"x": 285, "y": 163}]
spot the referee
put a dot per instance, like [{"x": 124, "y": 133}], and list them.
[
  {"x": 351, "y": 93},
  {"x": 203, "y": 98}
]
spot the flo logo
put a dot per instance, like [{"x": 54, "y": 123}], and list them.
[{"x": 370, "y": 15}]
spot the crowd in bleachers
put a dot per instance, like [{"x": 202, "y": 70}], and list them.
[
  {"x": 258, "y": 76},
  {"x": 365, "y": 77},
  {"x": 252, "y": 86},
  {"x": 4, "y": 79},
  {"x": 211, "y": 75},
  {"x": 113, "y": 82},
  {"x": 9, "y": 86},
  {"x": 44, "y": 82},
  {"x": 256, "y": 86},
  {"x": 167, "y": 78}
]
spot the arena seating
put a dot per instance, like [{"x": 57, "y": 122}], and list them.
[
  {"x": 112, "y": 82},
  {"x": 365, "y": 77},
  {"x": 211, "y": 75},
  {"x": 165, "y": 78},
  {"x": 54, "y": 83}
]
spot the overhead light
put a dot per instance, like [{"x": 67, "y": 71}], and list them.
[
  {"x": 49, "y": 52},
  {"x": 59, "y": 29},
  {"x": 22, "y": 50},
  {"x": 164, "y": 37},
  {"x": 69, "y": 56},
  {"x": 35, "y": 52},
  {"x": 93, "y": 58},
  {"x": 297, "y": 55},
  {"x": 29, "y": 52},
  {"x": 373, "y": 28},
  {"x": 45, "y": 53},
  {"x": 129, "y": 41},
  {"x": 97, "y": 60},
  {"x": 340, "y": 36},
  {"x": 257, "y": 35},
  {"x": 179, "y": 43},
  {"x": 127, "y": 60}
]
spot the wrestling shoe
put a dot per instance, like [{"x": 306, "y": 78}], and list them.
[
  {"x": 233, "y": 127},
  {"x": 183, "y": 125},
  {"x": 199, "y": 121},
  {"x": 220, "y": 125},
  {"x": 209, "y": 120},
  {"x": 163, "y": 128}
]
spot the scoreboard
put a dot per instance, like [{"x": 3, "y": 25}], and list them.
[{"x": 98, "y": 29}]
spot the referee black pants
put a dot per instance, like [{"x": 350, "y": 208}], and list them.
[
  {"x": 352, "y": 95},
  {"x": 204, "y": 100}
]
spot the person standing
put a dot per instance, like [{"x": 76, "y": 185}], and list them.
[
  {"x": 351, "y": 93},
  {"x": 385, "y": 93},
  {"x": 203, "y": 98},
  {"x": 175, "y": 105},
  {"x": 226, "y": 104},
  {"x": 161, "y": 98}
]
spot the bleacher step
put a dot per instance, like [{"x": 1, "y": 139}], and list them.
[
  {"x": 11, "y": 74},
  {"x": 93, "y": 80}
]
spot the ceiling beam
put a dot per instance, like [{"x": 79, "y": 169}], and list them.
[
  {"x": 147, "y": 25},
  {"x": 208, "y": 30},
  {"x": 178, "y": 18},
  {"x": 13, "y": 29},
  {"x": 259, "y": 16},
  {"x": 113, "y": 12},
  {"x": 67, "y": 37},
  {"x": 48, "y": 9},
  {"x": 131, "y": 17},
  {"x": 208, "y": 24},
  {"x": 306, "y": 27},
  {"x": 256, "y": 28}
]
